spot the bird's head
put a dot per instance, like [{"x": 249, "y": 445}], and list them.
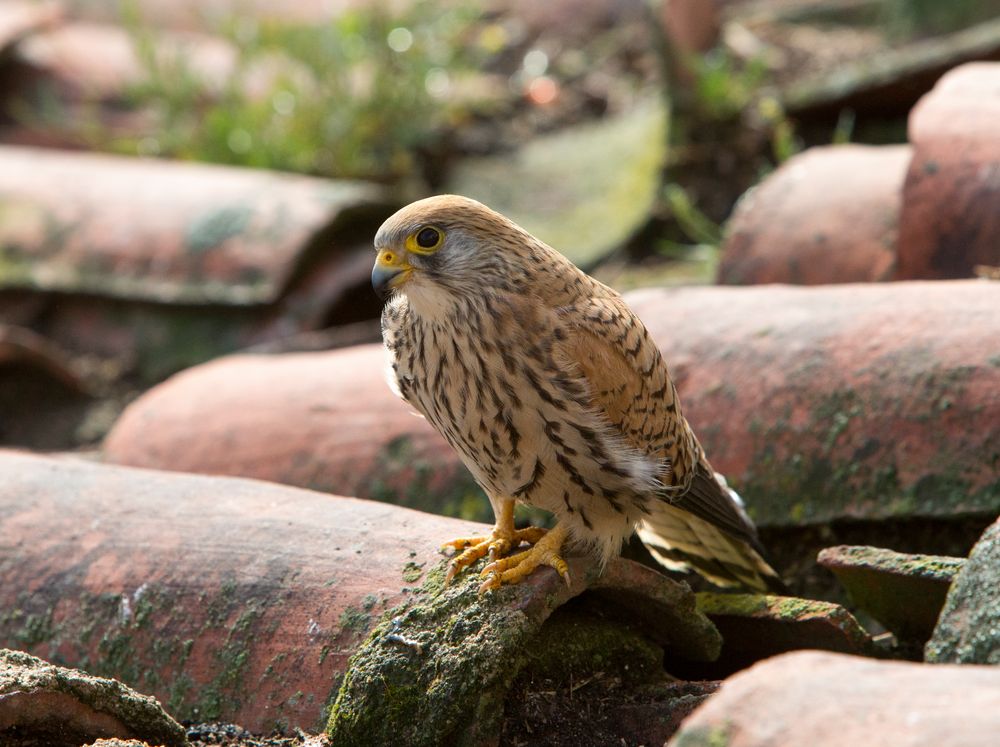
[{"x": 450, "y": 245}]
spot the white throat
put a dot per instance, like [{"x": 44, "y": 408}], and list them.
[{"x": 428, "y": 301}]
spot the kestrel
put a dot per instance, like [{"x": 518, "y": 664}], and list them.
[{"x": 553, "y": 394}]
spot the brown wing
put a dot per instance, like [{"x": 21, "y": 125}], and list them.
[{"x": 630, "y": 382}]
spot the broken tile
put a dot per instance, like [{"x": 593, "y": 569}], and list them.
[
  {"x": 903, "y": 592},
  {"x": 757, "y": 626},
  {"x": 58, "y": 706},
  {"x": 968, "y": 631},
  {"x": 43, "y": 400},
  {"x": 585, "y": 190}
]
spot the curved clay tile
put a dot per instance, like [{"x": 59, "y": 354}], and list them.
[
  {"x": 828, "y": 215},
  {"x": 865, "y": 703},
  {"x": 848, "y": 401},
  {"x": 166, "y": 264},
  {"x": 163, "y": 231},
  {"x": 20, "y": 19},
  {"x": 951, "y": 199},
  {"x": 244, "y": 601}
]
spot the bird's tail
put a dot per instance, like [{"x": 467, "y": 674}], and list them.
[{"x": 680, "y": 540}]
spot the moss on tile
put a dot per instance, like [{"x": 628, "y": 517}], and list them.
[
  {"x": 436, "y": 670},
  {"x": 968, "y": 630},
  {"x": 142, "y": 714},
  {"x": 814, "y": 473}
]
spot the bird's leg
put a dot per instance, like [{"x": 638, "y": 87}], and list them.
[
  {"x": 501, "y": 540},
  {"x": 513, "y": 569}
]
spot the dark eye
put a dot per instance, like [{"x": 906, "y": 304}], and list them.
[{"x": 428, "y": 238}]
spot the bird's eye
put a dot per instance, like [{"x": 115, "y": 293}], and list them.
[{"x": 428, "y": 238}]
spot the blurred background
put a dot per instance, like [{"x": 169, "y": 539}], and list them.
[{"x": 622, "y": 132}]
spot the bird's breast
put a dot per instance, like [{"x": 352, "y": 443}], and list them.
[
  {"x": 520, "y": 422},
  {"x": 451, "y": 383}
]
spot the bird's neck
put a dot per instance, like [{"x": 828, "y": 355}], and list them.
[{"x": 430, "y": 304}]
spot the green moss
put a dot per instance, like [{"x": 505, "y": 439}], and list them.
[
  {"x": 968, "y": 630},
  {"x": 838, "y": 424},
  {"x": 36, "y": 628},
  {"x": 412, "y": 572},
  {"x": 145, "y": 639},
  {"x": 127, "y": 652},
  {"x": 605, "y": 177},
  {"x": 435, "y": 670},
  {"x": 827, "y": 469},
  {"x": 572, "y": 644},
  {"x": 117, "y": 656},
  {"x": 783, "y": 610},
  {"x": 403, "y": 479},
  {"x": 227, "y": 689},
  {"x": 903, "y": 592},
  {"x": 143, "y": 608},
  {"x": 761, "y": 605},
  {"x": 180, "y": 687},
  {"x": 15, "y": 268},
  {"x": 323, "y": 653},
  {"x": 934, "y": 567},
  {"x": 398, "y": 449},
  {"x": 93, "y": 608},
  {"x": 703, "y": 736},
  {"x": 277, "y": 659},
  {"x": 31, "y": 623},
  {"x": 214, "y": 228},
  {"x": 121, "y": 618},
  {"x": 354, "y": 620},
  {"x": 744, "y": 605},
  {"x": 140, "y": 714}
]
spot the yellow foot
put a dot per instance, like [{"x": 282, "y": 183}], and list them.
[
  {"x": 498, "y": 544},
  {"x": 514, "y": 569}
]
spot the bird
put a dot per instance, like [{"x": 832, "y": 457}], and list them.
[{"x": 553, "y": 394}]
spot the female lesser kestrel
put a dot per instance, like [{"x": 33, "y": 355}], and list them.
[{"x": 553, "y": 394}]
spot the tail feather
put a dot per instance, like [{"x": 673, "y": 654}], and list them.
[{"x": 680, "y": 540}]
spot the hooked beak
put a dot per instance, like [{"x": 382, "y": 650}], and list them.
[{"x": 390, "y": 271}]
